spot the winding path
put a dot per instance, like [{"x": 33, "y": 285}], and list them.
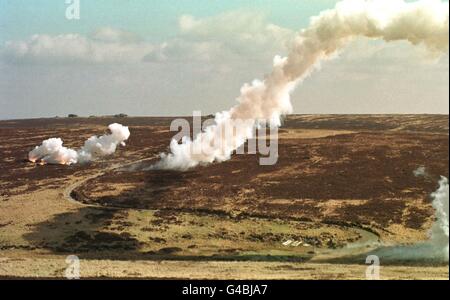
[
  {"x": 69, "y": 189},
  {"x": 368, "y": 239}
]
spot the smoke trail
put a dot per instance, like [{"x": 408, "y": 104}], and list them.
[
  {"x": 436, "y": 247},
  {"x": 439, "y": 231},
  {"x": 424, "y": 22},
  {"x": 52, "y": 150}
]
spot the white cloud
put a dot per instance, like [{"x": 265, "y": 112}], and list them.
[
  {"x": 378, "y": 53},
  {"x": 102, "y": 73},
  {"x": 226, "y": 37},
  {"x": 108, "y": 34},
  {"x": 236, "y": 35},
  {"x": 104, "y": 46}
]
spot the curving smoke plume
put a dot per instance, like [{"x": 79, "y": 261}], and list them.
[
  {"x": 424, "y": 22},
  {"x": 52, "y": 150}
]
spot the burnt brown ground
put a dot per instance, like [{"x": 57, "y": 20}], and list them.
[
  {"x": 365, "y": 177},
  {"x": 335, "y": 175}
]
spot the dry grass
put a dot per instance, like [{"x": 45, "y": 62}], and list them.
[{"x": 140, "y": 224}]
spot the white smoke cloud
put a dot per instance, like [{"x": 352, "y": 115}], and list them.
[
  {"x": 52, "y": 150},
  {"x": 423, "y": 22},
  {"x": 439, "y": 232}
]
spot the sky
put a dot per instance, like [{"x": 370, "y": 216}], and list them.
[{"x": 148, "y": 57}]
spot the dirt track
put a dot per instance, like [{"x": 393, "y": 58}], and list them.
[{"x": 333, "y": 171}]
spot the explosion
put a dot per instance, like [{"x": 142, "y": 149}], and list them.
[{"x": 52, "y": 151}]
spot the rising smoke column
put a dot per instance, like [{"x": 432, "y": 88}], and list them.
[
  {"x": 52, "y": 150},
  {"x": 423, "y": 22},
  {"x": 439, "y": 231}
]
